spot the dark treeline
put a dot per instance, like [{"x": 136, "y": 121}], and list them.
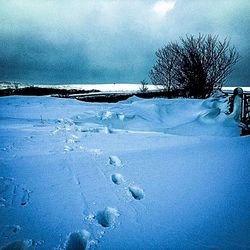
[
  {"x": 116, "y": 97},
  {"x": 88, "y": 94},
  {"x": 40, "y": 91}
]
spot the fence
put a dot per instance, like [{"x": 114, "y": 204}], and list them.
[{"x": 245, "y": 114}]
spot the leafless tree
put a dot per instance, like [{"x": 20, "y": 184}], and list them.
[
  {"x": 195, "y": 65},
  {"x": 143, "y": 88}
]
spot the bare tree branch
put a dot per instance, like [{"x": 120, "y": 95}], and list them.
[{"x": 196, "y": 64}]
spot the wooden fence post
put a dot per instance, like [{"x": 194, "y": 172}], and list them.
[{"x": 236, "y": 102}]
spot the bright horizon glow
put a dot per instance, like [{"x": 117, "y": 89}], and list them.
[{"x": 162, "y": 7}]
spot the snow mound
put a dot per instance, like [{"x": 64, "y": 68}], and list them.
[
  {"x": 237, "y": 107},
  {"x": 218, "y": 100},
  {"x": 107, "y": 217},
  {"x": 187, "y": 117},
  {"x": 132, "y": 99},
  {"x": 171, "y": 116},
  {"x": 78, "y": 240},
  {"x": 213, "y": 116},
  {"x": 209, "y": 114}
]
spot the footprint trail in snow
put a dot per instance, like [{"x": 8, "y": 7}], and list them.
[
  {"x": 118, "y": 179},
  {"x": 107, "y": 217}
]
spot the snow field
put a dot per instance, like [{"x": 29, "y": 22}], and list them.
[
  {"x": 68, "y": 132},
  {"x": 145, "y": 174}
]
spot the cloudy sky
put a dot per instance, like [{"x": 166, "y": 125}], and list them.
[{"x": 106, "y": 41}]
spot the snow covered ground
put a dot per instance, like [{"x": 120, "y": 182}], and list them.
[{"x": 138, "y": 174}]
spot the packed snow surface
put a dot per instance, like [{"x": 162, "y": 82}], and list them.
[{"x": 138, "y": 174}]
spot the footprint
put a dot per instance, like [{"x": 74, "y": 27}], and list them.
[
  {"x": 115, "y": 161},
  {"x": 7, "y": 188},
  {"x": 25, "y": 197},
  {"x": 12, "y": 194},
  {"x": 78, "y": 240},
  {"x": 136, "y": 192},
  {"x": 117, "y": 178},
  {"x": 9, "y": 231},
  {"x": 21, "y": 245},
  {"x": 107, "y": 217}
]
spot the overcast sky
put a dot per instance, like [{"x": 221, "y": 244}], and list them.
[{"x": 105, "y": 41}]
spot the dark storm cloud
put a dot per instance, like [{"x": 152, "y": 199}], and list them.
[
  {"x": 109, "y": 41},
  {"x": 36, "y": 59}
]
